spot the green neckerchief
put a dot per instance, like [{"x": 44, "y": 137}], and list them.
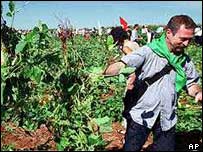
[{"x": 160, "y": 47}]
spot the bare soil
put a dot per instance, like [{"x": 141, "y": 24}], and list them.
[{"x": 43, "y": 138}]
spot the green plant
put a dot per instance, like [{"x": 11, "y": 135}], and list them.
[{"x": 38, "y": 87}]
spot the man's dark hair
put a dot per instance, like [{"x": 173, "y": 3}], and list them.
[
  {"x": 136, "y": 25},
  {"x": 129, "y": 32},
  {"x": 119, "y": 35},
  {"x": 176, "y": 21}
]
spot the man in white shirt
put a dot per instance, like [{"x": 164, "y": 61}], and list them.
[
  {"x": 134, "y": 37},
  {"x": 198, "y": 35}
]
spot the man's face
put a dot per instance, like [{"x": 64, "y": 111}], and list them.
[{"x": 181, "y": 39}]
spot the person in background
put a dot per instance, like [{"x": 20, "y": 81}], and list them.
[
  {"x": 129, "y": 32},
  {"x": 148, "y": 32},
  {"x": 150, "y": 35},
  {"x": 122, "y": 40},
  {"x": 163, "y": 69},
  {"x": 198, "y": 36},
  {"x": 143, "y": 30},
  {"x": 135, "y": 37}
]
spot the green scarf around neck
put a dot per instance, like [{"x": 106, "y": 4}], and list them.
[{"x": 160, "y": 47}]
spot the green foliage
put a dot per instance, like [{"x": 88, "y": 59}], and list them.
[
  {"x": 190, "y": 114},
  {"x": 189, "y": 119},
  {"x": 38, "y": 88},
  {"x": 104, "y": 124},
  {"x": 7, "y": 148},
  {"x": 11, "y": 12},
  {"x": 127, "y": 70}
]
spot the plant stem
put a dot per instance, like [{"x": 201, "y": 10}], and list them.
[{"x": 12, "y": 20}]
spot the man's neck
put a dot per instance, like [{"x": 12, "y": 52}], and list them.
[
  {"x": 169, "y": 45},
  {"x": 172, "y": 49}
]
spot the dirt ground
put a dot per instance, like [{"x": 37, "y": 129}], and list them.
[
  {"x": 43, "y": 139},
  {"x": 184, "y": 140}
]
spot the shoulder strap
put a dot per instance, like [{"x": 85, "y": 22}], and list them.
[
  {"x": 132, "y": 96},
  {"x": 158, "y": 75}
]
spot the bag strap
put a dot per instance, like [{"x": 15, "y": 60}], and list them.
[
  {"x": 132, "y": 96},
  {"x": 158, "y": 75}
]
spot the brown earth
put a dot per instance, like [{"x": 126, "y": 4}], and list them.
[
  {"x": 183, "y": 139},
  {"x": 43, "y": 139},
  {"x": 116, "y": 138}
]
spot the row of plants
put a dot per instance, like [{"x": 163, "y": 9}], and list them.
[
  {"x": 41, "y": 85},
  {"x": 58, "y": 81}
]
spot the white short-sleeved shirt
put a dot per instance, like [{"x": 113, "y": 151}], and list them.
[{"x": 134, "y": 35}]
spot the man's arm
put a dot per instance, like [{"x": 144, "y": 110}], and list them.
[
  {"x": 114, "y": 68},
  {"x": 126, "y": 50},
  {"x": 192, "y": 84},
  {"x": 195, "y": 91},
  {"x": 133, "y": 60}
]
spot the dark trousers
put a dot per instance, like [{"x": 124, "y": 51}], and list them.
[{"x": 136, "y": 135}]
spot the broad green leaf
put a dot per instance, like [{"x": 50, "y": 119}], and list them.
[
  {"x": 59, "y": 147},
  {"x": 93, "y": 139},
  {"x": 82, "y": 137},
  {"x": 127, "y": 70},
  {"x": 104, "y": 124},
  {"x": 121, "y": 78},
  {"x": 109, "y": 40},
  {"x": 96, "y": 70},
  {"x": 110, "y": 47},
  {"x": 29, "y": 36},
  {"x": 35, "y": 30},
  {"x": 44, "y": 28},
  {"x": 103, "y": 120},
  {"x": 20, "y": 46},
  {"x": 34, "y": 73},
  {"x": 64, "y": 142},
  {"x": 9, "y": 14},
  {"x": 11, "y": 6},
  {"x": 37, "y": 74},
  {"x": 35, "y": 38}
]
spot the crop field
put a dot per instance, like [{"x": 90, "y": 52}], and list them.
[
  {"x": 64, "y": 90},
  {"x": 54, "y": 96}
]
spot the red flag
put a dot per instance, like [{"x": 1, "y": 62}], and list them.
[{"x": 123, "y": 23}]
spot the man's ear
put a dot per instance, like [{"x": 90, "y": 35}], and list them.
[{"x": 168, "y": 31}]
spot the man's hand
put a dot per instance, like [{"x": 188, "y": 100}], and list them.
[
  {"x": 113, "y": 69},
  {"x": 198, "y": 96},
  {"x": 127, "y": 50},
  {"x": 195, "y": 91},
  {"x": 130, "y": 81}
]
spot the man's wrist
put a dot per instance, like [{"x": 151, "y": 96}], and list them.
[{"x": 197, "y": 93}]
